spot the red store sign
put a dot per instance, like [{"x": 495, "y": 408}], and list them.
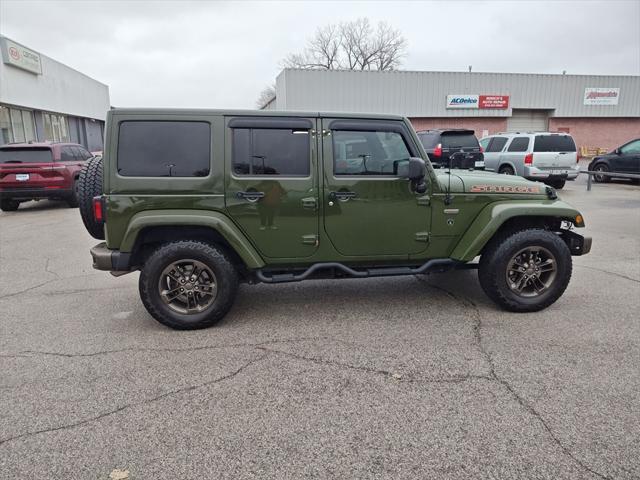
[{"x": 494, "y": 101}]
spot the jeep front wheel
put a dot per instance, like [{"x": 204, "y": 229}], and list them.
[
  {"x": 525, "y": 271},
  {"x": 188, "y": 285}
]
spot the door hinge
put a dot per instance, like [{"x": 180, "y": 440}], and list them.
[
  {"x": 326, "y": 133},
  {"x": 422, "y": 237},
  {"x": 424, "y": 200},
  {"x": 310, "y": 239}
]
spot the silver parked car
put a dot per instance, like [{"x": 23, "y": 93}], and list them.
[{"x": 551, "y": 158}]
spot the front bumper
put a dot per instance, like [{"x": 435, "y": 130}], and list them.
[
  {"x": 34, "y": 193},
  {"x": 534, "y": 173},
  {"x": 110, "y": 260},
  {"x": 578, "y": 245}
]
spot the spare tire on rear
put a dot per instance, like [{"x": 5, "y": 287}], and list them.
[{"x": 89, "y": 186}]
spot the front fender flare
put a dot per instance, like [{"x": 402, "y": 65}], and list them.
[
  {"x": 211, "y": 219},
  {"x": 493, "y": 216}
]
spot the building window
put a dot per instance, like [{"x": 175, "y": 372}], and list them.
[
  {"x": 16, "y": 125},
  {"x": 55, "y": 127}
]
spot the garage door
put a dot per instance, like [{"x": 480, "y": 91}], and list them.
[{"x": 528, "y": 121}]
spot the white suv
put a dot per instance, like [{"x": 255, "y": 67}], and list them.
[{"x": 549, "y": 157}]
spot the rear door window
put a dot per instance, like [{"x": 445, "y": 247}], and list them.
[
  {"x": 164, "y": 149},
  {"x": 554, "y": 143},
  {"x": 519, "y": 144},
  {"x": 26, "y": 155},
  {"x": 459, "y": 140},
  {"x": 271, "y": 151},
  {"x": 497, "y": 144}
]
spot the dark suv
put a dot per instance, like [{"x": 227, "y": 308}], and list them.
[
  {"x": 624, "y": 160},
  {"x": 441, "y": 144},
  {"x": 31, "y": 171}
]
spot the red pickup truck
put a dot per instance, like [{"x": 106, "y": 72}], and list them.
[{"x": 31, "y": 171}]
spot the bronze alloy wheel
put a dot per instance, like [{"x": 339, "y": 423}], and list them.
[
  {"x": 531, "y": 271},
  {"x": 188, "y": 286}
]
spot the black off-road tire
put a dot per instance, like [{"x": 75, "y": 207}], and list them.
[
  {"x": 494, "y": 263},
  {"x": 601, "y": 167},
  {"x": 557, "y": 184},
  {"x": 507, "y": 170},
  {"x": 213, "y": 257},
  {"x": 89, "y": 185},
  {"x": 9, "y": 205}
]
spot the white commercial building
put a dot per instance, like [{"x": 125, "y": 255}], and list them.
[{"x": 43, "y": 100}]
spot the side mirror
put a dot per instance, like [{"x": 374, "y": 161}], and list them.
[{"x": 415, "y": 169}]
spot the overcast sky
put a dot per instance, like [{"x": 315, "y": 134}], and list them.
[{"x": 221, "y": 54}]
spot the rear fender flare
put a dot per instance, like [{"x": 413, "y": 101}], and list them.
[
  {"x": 210, "y": 219},
  {"x": 494, "y": 215}
]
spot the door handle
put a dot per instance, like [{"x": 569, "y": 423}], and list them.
[
  {"x": 342, "y": 196},
  {"x": 250, "y": 196},
  {"x": 309, "y": 203}
]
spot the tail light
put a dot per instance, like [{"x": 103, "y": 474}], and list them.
[
  {"x": 481, "y": 149},
  {"x": 528, "y": 159},
  {"x": 99, "y": 209},
  {"x": 437, "y": 152}
]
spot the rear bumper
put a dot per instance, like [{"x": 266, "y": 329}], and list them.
[
  {"x": 34, "y": 193},
  {"x": 534, "y": 173},
  {"x": 110, "y": 260}
]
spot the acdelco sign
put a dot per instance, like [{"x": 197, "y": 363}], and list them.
[{"x": 463, "y": 101}]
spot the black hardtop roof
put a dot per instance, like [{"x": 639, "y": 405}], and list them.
[{"x": 252, "y": 113}]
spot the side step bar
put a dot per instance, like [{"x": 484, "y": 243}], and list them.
[{"x": 440, "y": 264}]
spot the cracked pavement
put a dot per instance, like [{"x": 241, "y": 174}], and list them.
[{"x": 412, "y": 377}]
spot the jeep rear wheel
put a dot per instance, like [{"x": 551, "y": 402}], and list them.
[
  {"x": 525, "y": 271},
  {"x": 89, "y": 185},
  {"x": 188, "y": 285}
]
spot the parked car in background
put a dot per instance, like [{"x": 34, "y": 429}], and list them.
[
  {"x": 32, "y": 171},
  {"x": 551, "y": 158},
  {"x": 440, "y": 144},
  {"x": 624, "y": 159}
]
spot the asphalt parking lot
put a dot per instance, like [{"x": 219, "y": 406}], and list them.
[{"x": 417, "y": 377}]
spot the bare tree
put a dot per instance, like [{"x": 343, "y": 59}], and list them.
[
  {"x": 322, "y": 51},
  {"x": 267, "y": 94},
  {"x": 353, "y": 45}
]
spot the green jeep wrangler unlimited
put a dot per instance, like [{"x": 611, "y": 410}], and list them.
[{"x": 201, "y": 200}]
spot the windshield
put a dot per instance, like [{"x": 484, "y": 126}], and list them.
[
  {"x": 25, "y": 155},
  {"x": 459, "y": 140},
  {"x": 554, "y": 143}
]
